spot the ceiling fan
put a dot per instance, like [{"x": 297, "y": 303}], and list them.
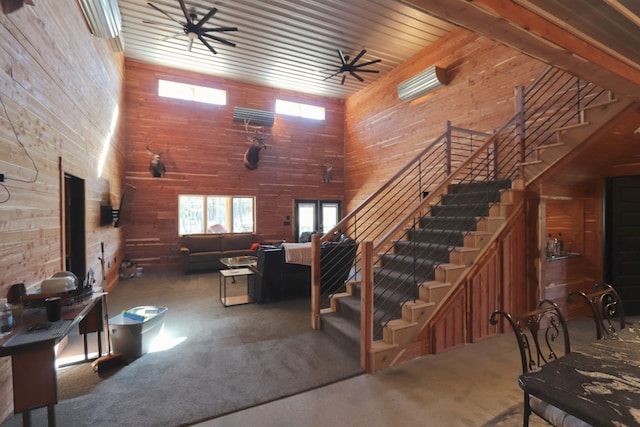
[
  {"x": 195, "y": 29},
  {"x": 351, "y": 66}
]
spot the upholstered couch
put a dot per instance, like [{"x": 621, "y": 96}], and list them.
[
  {"x": 275, "y": 279},
  {"x": 202, "y": 252}
]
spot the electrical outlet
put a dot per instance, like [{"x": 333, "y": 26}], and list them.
[{"x": 1, "y": 177}]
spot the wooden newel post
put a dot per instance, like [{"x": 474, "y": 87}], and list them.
[
  {"x": 315, "y": 281},
  {"x": 366, "y": 303}
]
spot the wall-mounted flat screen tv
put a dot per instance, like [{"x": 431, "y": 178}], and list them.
[{"x": 127, "y": 203}]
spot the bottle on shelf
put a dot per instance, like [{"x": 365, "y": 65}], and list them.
[
  {"x": 560, "y": 248},
  {"x": 549, "y": 246},
  {"x": 6, "y": 316}
]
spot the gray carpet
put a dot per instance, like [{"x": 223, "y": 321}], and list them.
[{"x": 230, "y": 359}]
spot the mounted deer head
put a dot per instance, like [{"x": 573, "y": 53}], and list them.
[
  {"x": 156, "y": 167},
  {"x": 256, "y": 136},
  {"x": 328, "y": 167}
]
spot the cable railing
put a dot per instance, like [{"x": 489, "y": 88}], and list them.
[
  {"x": 381, "y": 211},
  {"x": 405, "y": 218},
  {"x": 555, "y": 100}
]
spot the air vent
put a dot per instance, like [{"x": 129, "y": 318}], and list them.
[
  {"x": 255, "y": 117},
  {"x": 422, "y": 83}
]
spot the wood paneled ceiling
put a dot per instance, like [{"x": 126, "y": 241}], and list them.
[
  {"x": 289, "y": 44},
  {"x": 292, "y": 44}
]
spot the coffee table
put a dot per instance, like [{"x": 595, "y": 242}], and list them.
[
  {"x": 239, "y": 261},
  {"x": 222, "y": 287},
  {"x": 238, "y": 266}
]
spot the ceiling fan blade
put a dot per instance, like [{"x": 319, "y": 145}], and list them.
[
  {"x": 344, "y": 61},
  {"x": 206, "y": 17},
  {"x": 356, "y": 76},
  {"x": 154, "y": 23},
  {"x": 184, "y": 10},
  {"x": 164, "y": 39},
  {"x": 218, "y": 39},
  {"x": 190, "y": 45},
  {"x": 344, "y": 76},
  {"x": 360, "y": 55},
  {"x": 165, "y": 13},
  {"x": 364, "y": 64},
  {"x": 368, "y": 71},
  {"x": 218, "y": 29},
  {"x": 204, "y": 42},
  {"x": 332, "y": 75}
]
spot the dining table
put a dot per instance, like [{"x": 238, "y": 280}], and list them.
[{"x": 599, "y": 383}]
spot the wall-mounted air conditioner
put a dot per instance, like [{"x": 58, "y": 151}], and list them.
[
  {"x": 422, "y": 83},
  {"x": 102, "y": 17},
  {"x": 255, "y": 117}
]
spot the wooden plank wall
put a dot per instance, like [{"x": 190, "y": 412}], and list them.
[
  {"x": 59, "y": 86},
  {"x": 203, "y": 151},
  {"x": 496, "y": 281},
  {"x": 576, "y": 212},
  {"x": 383, "y": 133}
]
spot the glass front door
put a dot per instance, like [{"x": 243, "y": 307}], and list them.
[{"x": 316, "y": 215}]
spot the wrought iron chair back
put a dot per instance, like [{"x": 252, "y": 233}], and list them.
[
  {"x": 542, "y": 337},
  {"x": 606, "y": 308}
]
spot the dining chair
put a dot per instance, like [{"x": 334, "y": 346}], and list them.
[
  {"x": 606, "y": 307},
  {"x": 542, "y": 336}
]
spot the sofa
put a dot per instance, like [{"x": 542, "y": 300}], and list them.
[
  {"x": 202, "y": 252},
  {"x": 275, "y": 279}
]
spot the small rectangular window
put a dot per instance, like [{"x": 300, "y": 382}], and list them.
[
  {"x": 215, "y": 214},
  {"x": 299, "y": 110},
  {"x": 188, "y": 92}
]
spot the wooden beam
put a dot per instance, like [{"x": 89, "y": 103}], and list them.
[{"x": 523, "y": 30}]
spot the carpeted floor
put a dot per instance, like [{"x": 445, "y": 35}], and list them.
[{"x": 212, "y": 360}]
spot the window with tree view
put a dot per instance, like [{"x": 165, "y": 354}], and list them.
[{"x": 215, "y": 214}]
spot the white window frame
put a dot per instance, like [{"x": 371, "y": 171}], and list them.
[
  {"x": 297, "y": 109},
  {"x": 202, "y": 226},
  {"x": 188, "y": 92}
]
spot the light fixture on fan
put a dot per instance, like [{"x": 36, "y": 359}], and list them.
[
  {"x": 102, "y": 17},
  {"x": 422, "y": 83}
]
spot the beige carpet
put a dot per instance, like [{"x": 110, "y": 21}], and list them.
[{"x": 215, "y": 360}]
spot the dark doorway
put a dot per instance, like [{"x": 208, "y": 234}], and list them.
[
  {"x": 74, "y": 226},
  {"x": 622, "y": 239}
]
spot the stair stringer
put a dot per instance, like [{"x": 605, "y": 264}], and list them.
[
  {"x": 400, "y": 334},
  {"x": 569, "y": 137}
]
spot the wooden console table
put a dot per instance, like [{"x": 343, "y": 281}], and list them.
[{"x": 33, "y": 353}]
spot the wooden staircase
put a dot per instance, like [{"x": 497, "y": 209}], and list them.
[
  {"x": 393, "y": 339},
  {"x": 464, "y": 245},
  {"x": 460, "y": 236}
]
